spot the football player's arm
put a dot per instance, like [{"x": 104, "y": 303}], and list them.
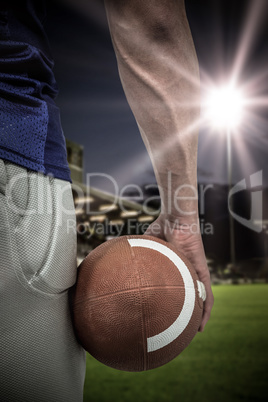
[{"x": 159, "y": 72}]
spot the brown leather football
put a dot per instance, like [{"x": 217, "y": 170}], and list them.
[{"x": 137, "y": 303}]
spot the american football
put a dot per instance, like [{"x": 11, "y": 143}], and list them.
[{"x": 137, "y": 303}]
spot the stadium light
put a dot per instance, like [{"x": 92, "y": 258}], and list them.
[{"x": 224, "y": 108}]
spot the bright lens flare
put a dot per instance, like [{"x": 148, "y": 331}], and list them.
[{"x": 224, "y": 108}]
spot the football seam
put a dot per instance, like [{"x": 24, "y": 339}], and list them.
[
  {"x": 143, "y": 327},
  {"x": 160, "y": 287}
]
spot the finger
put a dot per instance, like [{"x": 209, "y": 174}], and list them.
[
  {"x": 207, "y": 310},
  {"x": 205, "y": 318}
]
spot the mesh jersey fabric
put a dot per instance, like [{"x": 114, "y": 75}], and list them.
[
  {"x": 30, "y": 129},
  {"x": 40, "y": 357}
]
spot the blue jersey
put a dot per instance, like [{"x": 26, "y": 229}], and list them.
[{"x": 30, "y": 127}]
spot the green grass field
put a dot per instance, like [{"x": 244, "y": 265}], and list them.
[{"x": 227, "y": 362}]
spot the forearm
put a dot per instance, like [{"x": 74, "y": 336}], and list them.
[{"x": 159, "y": 73}]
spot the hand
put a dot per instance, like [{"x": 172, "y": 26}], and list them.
[{"x": 185, "y": 239}]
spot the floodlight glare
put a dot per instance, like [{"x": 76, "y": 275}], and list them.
[{"x": 224, "y": 107}]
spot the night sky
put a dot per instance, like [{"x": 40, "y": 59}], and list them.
[{"x": 94, "y": 111}]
